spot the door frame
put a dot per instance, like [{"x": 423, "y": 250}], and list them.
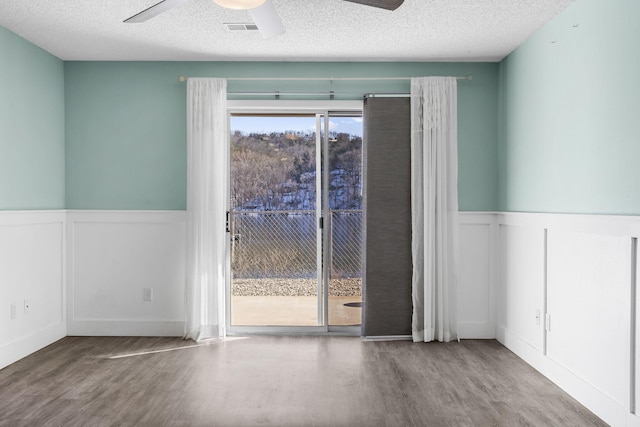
[{"x": 319, "y": 108}]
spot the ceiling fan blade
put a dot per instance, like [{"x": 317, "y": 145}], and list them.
[
  {"x": 153, "y": 11},
  {"x": 382, "y": 4},
  {"x": 267, "y": 20}
]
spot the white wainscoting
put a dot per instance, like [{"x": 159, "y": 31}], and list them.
[
  {"x": 565, "y": 304},
  {"x": 31, "y": 274},
  {"x": 112, "y": 257},
  {"x": 476, "y": 290},
  {"x": 575, "y": 274}
]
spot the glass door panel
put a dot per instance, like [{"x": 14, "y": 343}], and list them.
[
  {"x": 345, "y": 219},
  {"x": 274, "y": 229}
]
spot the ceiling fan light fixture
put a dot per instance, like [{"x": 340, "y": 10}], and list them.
[{"x": 239, "y": 4}]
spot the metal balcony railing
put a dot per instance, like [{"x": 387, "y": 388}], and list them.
[{"x": 282, "y": 244}]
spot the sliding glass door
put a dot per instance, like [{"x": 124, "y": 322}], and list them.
[
  {"x": 274, "y": 232},
  {"x": 295, "y": 221},
  {"x": 344, "y": 219}
]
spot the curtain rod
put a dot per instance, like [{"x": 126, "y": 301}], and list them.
[
  {"x": 331, "y": 79},
  {"x": 277, "y": 94},
  {"x": 330, "y": 94}
]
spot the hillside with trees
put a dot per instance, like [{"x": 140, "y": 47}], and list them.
[{"x": 277, "y": 171}]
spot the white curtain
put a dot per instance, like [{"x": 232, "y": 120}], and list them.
[
  {"x": 207, "y": 167},
  {"x": 434, "y": 205}
]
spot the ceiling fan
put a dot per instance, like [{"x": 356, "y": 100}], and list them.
[{"x": 263, "y": 13}]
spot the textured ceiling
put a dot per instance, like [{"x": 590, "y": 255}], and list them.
[{"x": 317, "y": 30}]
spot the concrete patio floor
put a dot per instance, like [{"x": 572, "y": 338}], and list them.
[{"x": 292, "y": 311}]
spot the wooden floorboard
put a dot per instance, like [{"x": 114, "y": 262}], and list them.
[{"x": 280, "y": 381}]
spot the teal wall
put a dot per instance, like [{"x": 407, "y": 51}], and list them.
[
  {"x": 126, "y": 124},
  {"x": 31, "y": 126},
  {"x": 570, "y": 114},
  {"x": 552, "y": 128}
]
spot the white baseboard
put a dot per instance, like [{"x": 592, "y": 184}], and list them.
[
  {"x": 16, "y": 350},
  {"x": 389, "y": 338},
  {"x": 125, "y": 328},
  {"x": 476, "y": 331},
  {"x": 612, "y": 412},
  {"x": 633, "y": 420}
]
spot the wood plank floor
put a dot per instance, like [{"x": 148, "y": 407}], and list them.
[{"x": 280, "y": 381}]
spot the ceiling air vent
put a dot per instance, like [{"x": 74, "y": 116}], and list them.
[{"x": 240, "y": 27}]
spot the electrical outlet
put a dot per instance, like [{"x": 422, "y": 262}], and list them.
[
  {"x": 13, "y": 311},
  {"x": 27, "y": 307},
  {"x": 147, "y": 294}
]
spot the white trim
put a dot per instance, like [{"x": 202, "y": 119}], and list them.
[
  {"x": 477, "y": 330},
  {"x": 612, "y": 412},
  {"x": 474, "y": 217},
  {"x": 388, "y": 338},
  {"x": 125, "y": 328},
  {"x": 23, "y": 347},
  {"x": 614, "y": 225},
  {"x": 31, "y": 217},
  {"x": 633, "y": 420},
  {"x": 120, "y": 216}
]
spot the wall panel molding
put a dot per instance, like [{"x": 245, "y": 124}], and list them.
[
  {"x": 32, "y": 277},
  {"x": 113, "y": 257},
  {"x": 512, "y": 264},
  {"x": 579, "y": 269},
  {"x": 476, "y": 284}
]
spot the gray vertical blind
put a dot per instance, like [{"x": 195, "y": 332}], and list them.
[{"x": 388, "y": 266}]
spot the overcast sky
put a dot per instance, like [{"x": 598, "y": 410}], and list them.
[{"x": 350, "y": 125}]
